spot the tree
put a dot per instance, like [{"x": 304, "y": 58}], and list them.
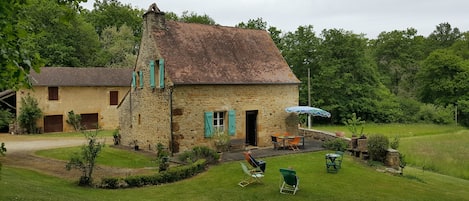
[
  {"x": 443, "y": 78},
  {"x": 29, "y": 114},
  {"x": 190, "y": 17},
  {"x": 112, "y": 13},
  {"x": 61, "y": 37},
  {"x": 397, "y": 55},
  {"x": 86, "y": 159},
  {"x": 253, "y": 24},
  {"x": 443, "y": 36},
  {"x": 16, "y": 58},
  {"x": 300, "y": 51},
  {"x": 118, "y": 47}
]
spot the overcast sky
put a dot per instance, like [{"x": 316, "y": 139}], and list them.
[{"x": 369, "y": 17}]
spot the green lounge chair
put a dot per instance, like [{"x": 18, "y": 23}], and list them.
[{"x": 289, "y": 181}]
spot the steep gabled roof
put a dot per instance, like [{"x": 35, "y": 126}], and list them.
[
  {"x": 205, "y": 54},
  {"x": 73, "y": 76}
]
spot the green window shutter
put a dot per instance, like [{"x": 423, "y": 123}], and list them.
[
  {"x": 161, "y": 73},
  {"x": 231, "y": 122},
  {"x": 208, "y": 124},
  {"x": 141, "y": 79},
  {"x": 152, "y": 74},
  {"x": 134, "y": 79}
]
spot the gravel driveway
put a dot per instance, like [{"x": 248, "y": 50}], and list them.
[{"x": 21, "y": 148}]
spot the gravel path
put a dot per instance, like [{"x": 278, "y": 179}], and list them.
[{"x": 21, "y": 148}]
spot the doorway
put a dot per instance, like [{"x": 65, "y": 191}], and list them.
[{"x": 251, "y": 127}]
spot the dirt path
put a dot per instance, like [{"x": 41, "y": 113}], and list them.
[{"x": 21, "y": 148}]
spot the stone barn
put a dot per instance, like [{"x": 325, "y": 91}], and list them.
[{"x": 191, "y": 80}]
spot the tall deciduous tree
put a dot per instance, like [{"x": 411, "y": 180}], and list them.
[
  {"x": 347, "y": 81},
  {"x": 117, "y": 47},
  {"x": 300, "y": 50},
  {"x": 61, "y": 36},
  {"x": 397, "y": 55},
  {"x": 443, "y": 36},
  {"x": 16, "y": 58},
  {"x": 443, "y": 78}
]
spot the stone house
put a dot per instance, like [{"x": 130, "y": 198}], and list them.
[
  {"x": 191, "y": 80},
  {"x": 93, "y": 93}
]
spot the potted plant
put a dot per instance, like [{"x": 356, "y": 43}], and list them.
[
  {"x": 221, "y": 141},
  {"x": 353, "y": 125},
  {"x": 117, "y": 137}
]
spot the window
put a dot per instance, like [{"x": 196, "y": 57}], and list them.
[
  {"x": 53, "y": 93},
  {"x": 218, "y": 121},
  {"x": 113, "y": 97}
]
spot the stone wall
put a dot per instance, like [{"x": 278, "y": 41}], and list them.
[
  {"x": 320, "y": 135},
  {"x": 82, "y": 100}
]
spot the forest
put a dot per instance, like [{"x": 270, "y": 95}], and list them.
[{"x": 398, "y": 77}]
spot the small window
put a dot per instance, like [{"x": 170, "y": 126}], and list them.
[
  {"x": 53, "y": 93},
  {"x": 113, "y": 97},
  {"x": 219, "y": 121}
]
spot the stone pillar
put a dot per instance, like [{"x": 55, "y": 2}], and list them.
[{"x": 392, "y": 159}]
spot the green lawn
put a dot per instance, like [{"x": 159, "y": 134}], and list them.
[
  {"x": 355, "y": 181},
  {"x": 433, "y": 147},
  {"x": 108, "y": 156}
]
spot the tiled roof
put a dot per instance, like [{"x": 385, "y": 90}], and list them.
[
  {"x": 74, "y": 76},
  {"x": 205, "y": 54}
]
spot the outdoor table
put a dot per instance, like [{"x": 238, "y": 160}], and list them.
[
  {"x": 284, "y": 138},
  {"x": 330, "y": 162},
  {"x": 332, "y": 156}
]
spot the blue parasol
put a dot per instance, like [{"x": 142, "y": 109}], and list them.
[{"x": 309, "y": 110}]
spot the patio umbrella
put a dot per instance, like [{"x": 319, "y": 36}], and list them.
[{"x": 309, "y": 110}]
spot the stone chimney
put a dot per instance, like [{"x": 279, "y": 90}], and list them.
[{"x": 154, "y": 18}]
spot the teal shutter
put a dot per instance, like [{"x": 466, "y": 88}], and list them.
[
  {"x": 134, "y": 79},
  {"x": 208, "y": 124},
  {"x": 161, "y": 75},
  {"x": 141, "y": 79},
  {"x": 231, "y": 122},
  {"x": 152, "y": 74}
]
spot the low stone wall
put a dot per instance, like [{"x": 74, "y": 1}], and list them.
[
  {"x": 392, "y": 156},
  {"x": 320, "y": 135}
]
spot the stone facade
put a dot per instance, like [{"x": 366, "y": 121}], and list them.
[
  {"x": 196, "y": 82},
  {"x": 82, "y": 100}
]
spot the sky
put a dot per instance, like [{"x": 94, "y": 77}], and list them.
[{"x": 369, "y": 17}]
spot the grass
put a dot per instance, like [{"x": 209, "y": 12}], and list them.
[
  {"x": 108, "y": 156},
  {"x": 355, "y": 181},
  {"x": 401, "y": 130},
  {"x": 433, "y": 147}
]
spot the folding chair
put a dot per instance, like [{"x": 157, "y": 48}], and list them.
[
  {"x": 290, "y": 181},
  {"x": 293, "y": 144},
  {"x": 275, "y": 142},
  {"x": 250, "y": 176},
  {"x": 257, "y": 164}
]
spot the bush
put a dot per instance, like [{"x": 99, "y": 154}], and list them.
[
  {"x": 430, "y": 113},
  {"x": 5, "y": 117},
  {"x": 29, "y": 114},
  {"x": 336, "y": 144},
  {"x": 377, "y": 146},
  {"x": 74, "y": 120},
  {"x": 200, "y": 152},
  {"x": 173, "y": 175}
]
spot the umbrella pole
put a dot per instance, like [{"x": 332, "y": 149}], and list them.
[{"x": 309, "y": 121}]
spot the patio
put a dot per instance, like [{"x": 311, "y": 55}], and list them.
[{"x": 310, "y": 145}]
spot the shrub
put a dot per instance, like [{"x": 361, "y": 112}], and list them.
[
  {"x": 200, "y": 152},
  {"x": 336, "y": 144},
  {"x": 162, "y": 157},
  {"x": 395, "y": 142},
  {"x": 74, "y": 120},
  {"x": 435, "y": 114},
  {"x": 29, "y": 114},
  {"x": 173, "y": 175},
  {"x": 377, "y": 146}
]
